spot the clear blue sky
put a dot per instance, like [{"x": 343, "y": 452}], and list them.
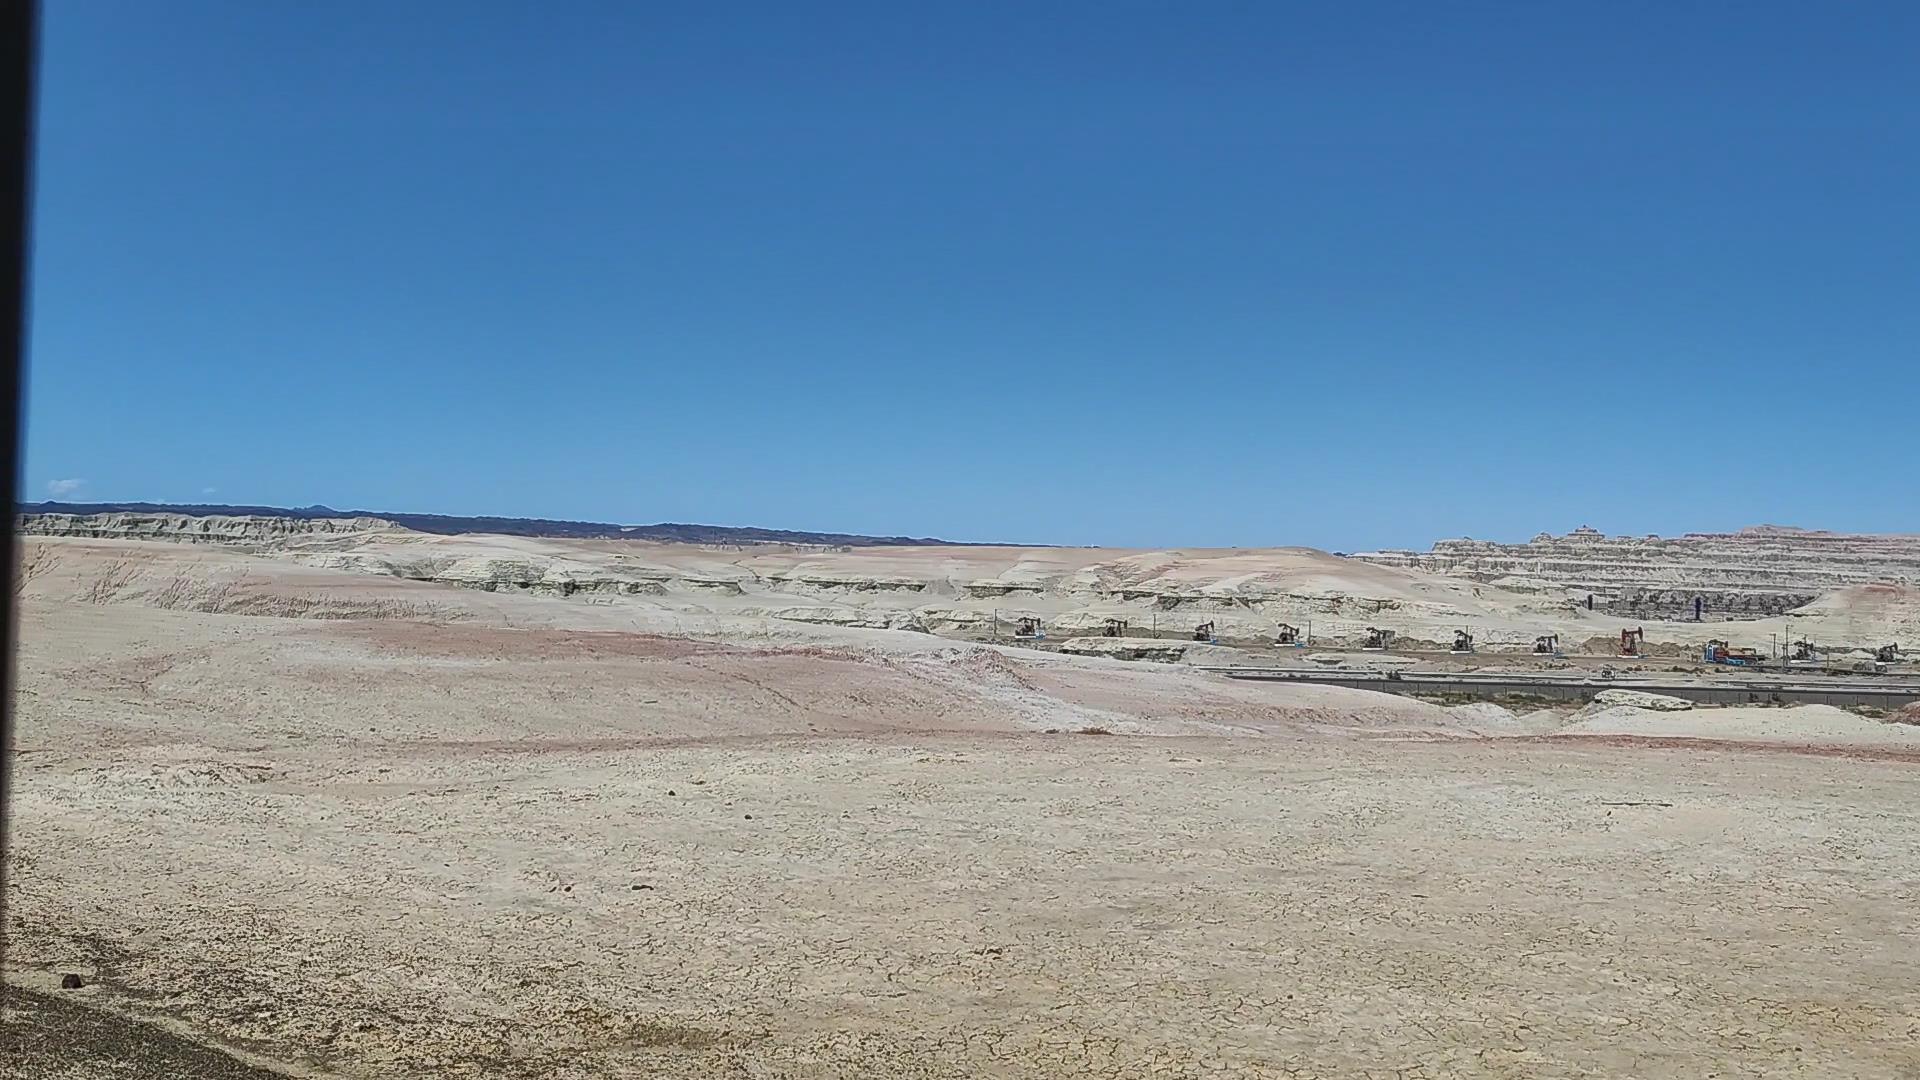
[{"x": 1347, "y": 275}]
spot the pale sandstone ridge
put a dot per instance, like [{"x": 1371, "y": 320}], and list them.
[
  {"x": 1765, "y": 570},
  {"x": 965, "y": 591},
  {"x": 1245, "y": 594},
  {"x": 187, "y": 528}
]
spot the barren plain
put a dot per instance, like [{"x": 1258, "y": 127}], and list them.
[{"x": 360, "y": 802}]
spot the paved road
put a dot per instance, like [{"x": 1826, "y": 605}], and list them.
[{"x": 1725, "y": 690}]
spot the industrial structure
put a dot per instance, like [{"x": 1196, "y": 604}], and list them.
[
  {"x": 1719, "y": 652},
  {"x": 1632, "y": 641}
]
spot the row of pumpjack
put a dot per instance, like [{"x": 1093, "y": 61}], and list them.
[
  {"x": 1801, "y": 652},
  {"x": 1288, "y": 636},
  {"x": 1632, "y": 642}
]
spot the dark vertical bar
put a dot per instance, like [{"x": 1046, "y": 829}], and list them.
[{"x": 19, "y": 38}]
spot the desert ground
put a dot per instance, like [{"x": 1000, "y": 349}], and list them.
[{"x": 285, "y": 810}]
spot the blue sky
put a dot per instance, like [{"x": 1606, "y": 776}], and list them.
[{"x": 1347, "y": 275}]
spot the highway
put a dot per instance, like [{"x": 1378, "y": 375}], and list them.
[{"x": 1787, "y": 689}]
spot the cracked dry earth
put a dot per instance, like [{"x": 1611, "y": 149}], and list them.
[{"x": 388, "y": 849}]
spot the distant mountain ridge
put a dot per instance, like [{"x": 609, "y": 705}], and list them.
[{"x": 450, "y": 525}]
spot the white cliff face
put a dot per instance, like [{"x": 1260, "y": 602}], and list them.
[
  {"x": 184, "y": 528},
  {"x": 1752, "y": 573}
]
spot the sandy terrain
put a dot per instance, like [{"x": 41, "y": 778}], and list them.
[{"x": 363, "y": 826}]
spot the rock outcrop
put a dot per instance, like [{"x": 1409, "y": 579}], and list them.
[
  {"x": 1640, "y": 699},
  {"x": 452, "y": 525},
  {"x": 1126, "y": 648},
  {"x": 185, "y": 528},
  {"x": 1752, "y": 573}
]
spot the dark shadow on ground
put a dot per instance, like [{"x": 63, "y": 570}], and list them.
[{"x": 54, "y": 1037}]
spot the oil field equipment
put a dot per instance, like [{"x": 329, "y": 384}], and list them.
[
  {"x": 1719, "y": 652},
  {"x": 1632, "y": 641}
]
